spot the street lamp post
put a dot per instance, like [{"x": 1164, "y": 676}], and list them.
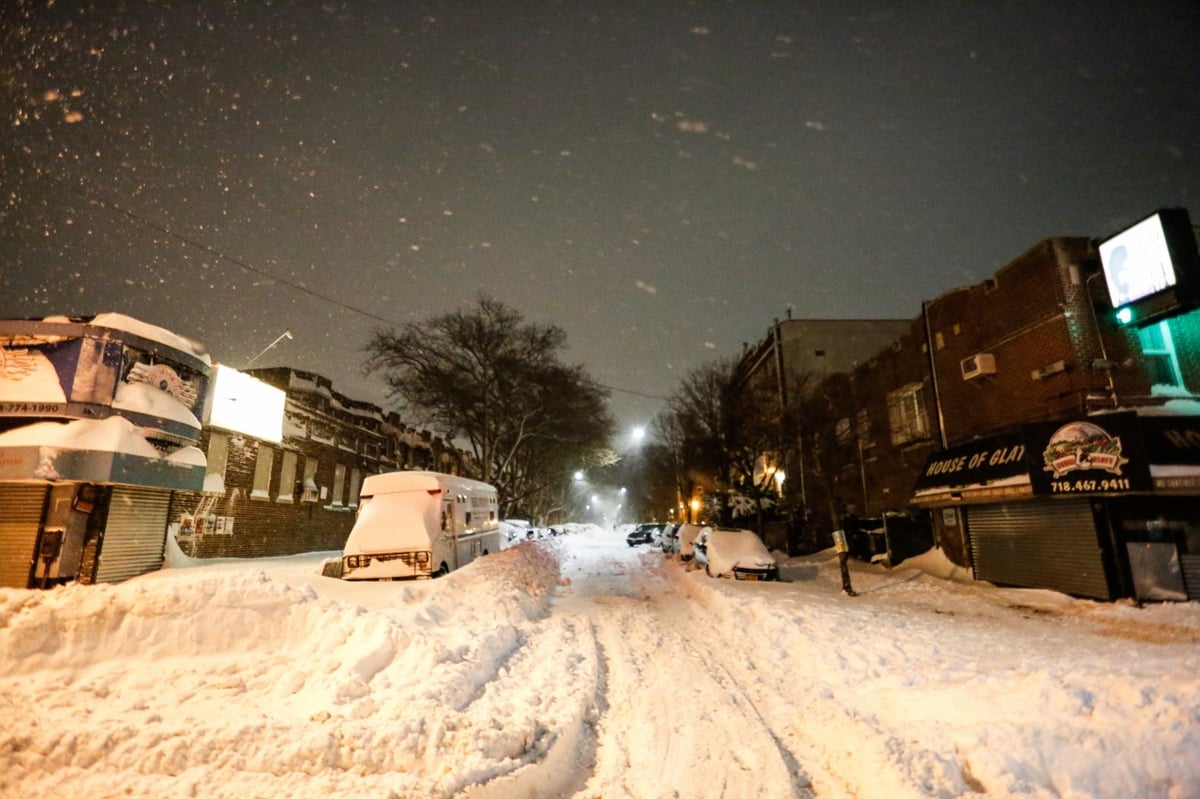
[
  {"x": 633, "y": 470},
  {"x": 285, "y": 334}
]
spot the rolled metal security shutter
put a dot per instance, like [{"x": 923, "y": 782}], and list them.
[
  {"x": 1191, "y": 574},
  {"x": 135, "y": 533},
  {"x": 1039, "y": 543},
  {"x": 20, "y": 519}
]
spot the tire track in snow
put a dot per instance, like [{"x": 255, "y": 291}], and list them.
[
  {"x": 533, "y": 721},
  {"x": 693, "y": 725},
  {"x": 794, "y": 704}
]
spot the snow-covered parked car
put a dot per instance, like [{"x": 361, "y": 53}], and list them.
[
  {"x": 514, "y": 529},
  {"x": 668, "y": 539},
  {"x": 686, "y": 538},
  {"x": 739, "y": 554},
  {"x": 643, "y": 534}
]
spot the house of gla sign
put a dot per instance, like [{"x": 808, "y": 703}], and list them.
[{"x": 977, "y": 460}]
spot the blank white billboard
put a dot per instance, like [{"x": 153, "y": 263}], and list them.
[{"x": 243, "y": 404}]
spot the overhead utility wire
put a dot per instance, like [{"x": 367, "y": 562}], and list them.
[
  {"x": 634, "y": 393},
  {"x": 254, "y": 270},
  {"x": 290, "y": 284}
]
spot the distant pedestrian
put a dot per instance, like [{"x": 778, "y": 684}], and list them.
[{"x": 843, "y": 552}]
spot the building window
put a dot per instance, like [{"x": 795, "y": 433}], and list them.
[
  {"x": 218, "y": 456},
  {"x": 287, "y": 477},
  {"x": 339, "y": 484},
  {"x": 355, "y": 483},
  {"x": 311, "y": 492},
  {"x": 906, "y": 414},
  {"x": 1158, "y": 351},
  {"x": 262, "y": 472}
]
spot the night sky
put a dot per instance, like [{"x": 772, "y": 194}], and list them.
[{"x": 660, "y": 179}]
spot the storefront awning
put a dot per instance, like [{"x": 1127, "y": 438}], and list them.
[{"x": 106, "y": 451}]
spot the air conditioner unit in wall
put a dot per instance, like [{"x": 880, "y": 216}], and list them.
[{"x": 978, "y": 365}]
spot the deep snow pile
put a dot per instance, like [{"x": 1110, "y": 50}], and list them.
[
  {"x": 578, "y": 666},
  {"x": 233, "y": 683}
]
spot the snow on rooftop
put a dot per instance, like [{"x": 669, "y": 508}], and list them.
[
  {"x": 1182, "y": 406},
  {"x": 116, "y": 321},
  {"x": 188, "y": 456},
  {"x": 114, "y": 434},
  {"x": 304, "y": 384},
  {"x": 150, "y": 400}
]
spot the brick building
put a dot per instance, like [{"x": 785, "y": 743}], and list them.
[
  {"x": 1022, "y": 346},
  {"x": 297, "y": 492},
  {"x": 797, "y": 353},
  {"x": 963, "y": 417},
  {"x": 795, "y": 356}
]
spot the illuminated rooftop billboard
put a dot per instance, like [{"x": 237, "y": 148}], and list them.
[
  {"x": 243, "y": 404},
  {"x": 1152, "y": 268}
]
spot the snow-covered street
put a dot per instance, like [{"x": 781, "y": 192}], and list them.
[{"x": 578, "y": 666}]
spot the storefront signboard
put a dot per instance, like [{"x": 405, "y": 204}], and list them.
[
  {"x": 976, "y": 463},
  {"x": 1093, "y": 455},
  {"x": 1101, "y": 454}
]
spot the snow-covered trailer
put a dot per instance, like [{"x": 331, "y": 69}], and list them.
[{"x": 419, "y": 524}]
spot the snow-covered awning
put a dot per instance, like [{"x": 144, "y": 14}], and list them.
[
  {"x": 90, "y": 367},
  {"x": 109, "y": 450}
]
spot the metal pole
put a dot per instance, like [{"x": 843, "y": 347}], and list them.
[
  {"x": 937, "y": 394},
  {"x": 281, "y": 337}
]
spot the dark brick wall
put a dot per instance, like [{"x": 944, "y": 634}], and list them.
[
  {"x": 1036, "y": 320},
  {"x": 891, "y": 469},
  {"x": 269, "y": 527},
  {"x": 1046, "y": 320}
]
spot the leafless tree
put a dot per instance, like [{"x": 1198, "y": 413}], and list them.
[{"x": 486, "y": 377}]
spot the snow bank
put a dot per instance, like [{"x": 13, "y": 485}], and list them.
[
  {"x": 219, "y": 678},
  {"x": 578, "y": 666}
]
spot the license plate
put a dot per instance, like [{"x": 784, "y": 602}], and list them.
[{"x": 749, "y": 576}]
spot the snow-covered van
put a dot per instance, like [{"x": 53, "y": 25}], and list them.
[{"x": 419, "y": 524}]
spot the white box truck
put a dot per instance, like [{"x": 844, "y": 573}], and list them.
[{"x": 419, "y": 524}]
